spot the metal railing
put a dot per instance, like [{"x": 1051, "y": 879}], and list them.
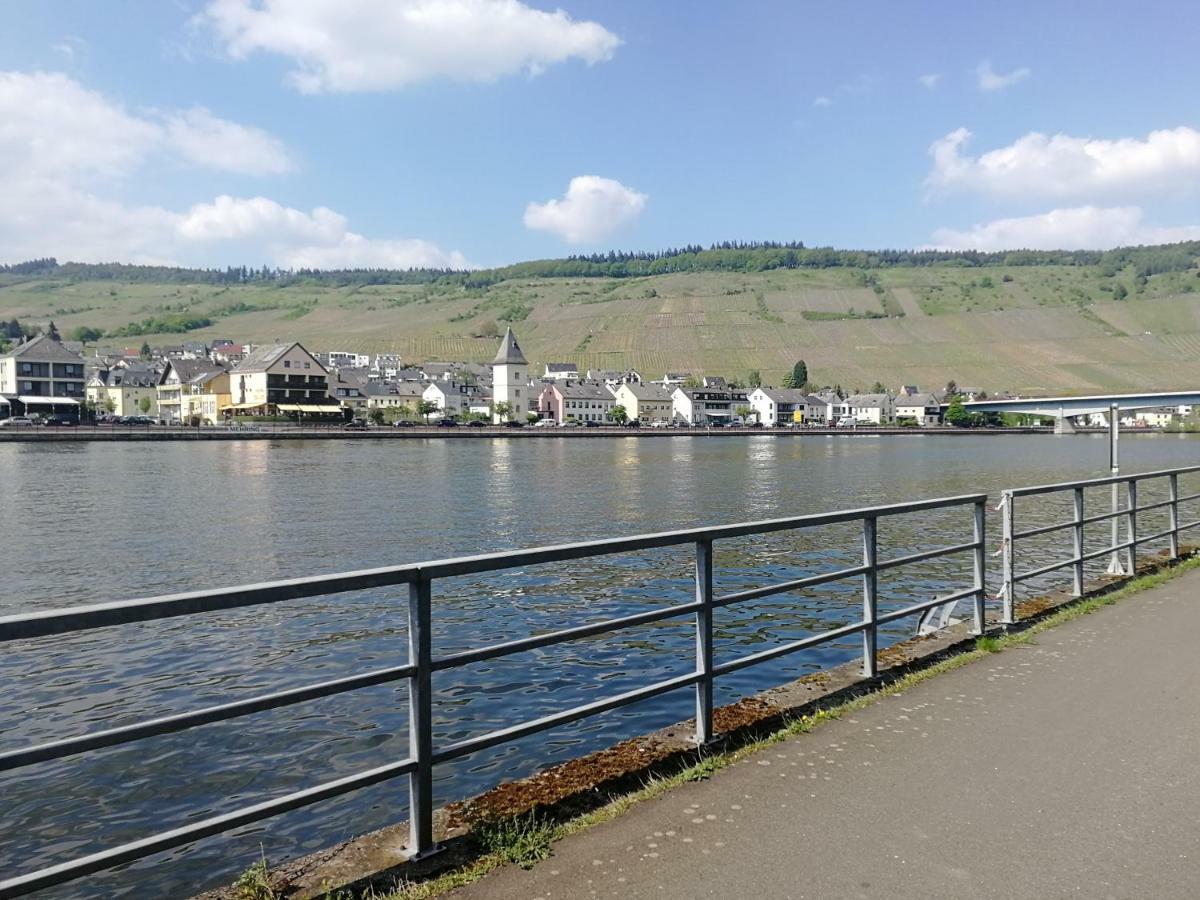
[
  {"x": 418, "y": 671},
  {"x": 1077, "y": 524}
]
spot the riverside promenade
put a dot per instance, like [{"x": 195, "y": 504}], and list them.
[{"x": 1067, "y": 767}]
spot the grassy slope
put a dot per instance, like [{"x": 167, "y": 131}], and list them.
[{"x": 1048, "y": 329}]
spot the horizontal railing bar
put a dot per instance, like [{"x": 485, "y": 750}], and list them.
[
  {"x": 14, "y": 759},
  {"x": 787, "y": 586},
  {"x": 924, "y": 605},
  {"x": 1157, "y": 536},
  {"x": 1152, "y": 506},
  {"x": 1053, "y": 567},
  {"x": 471, "y": 565},
  {"x": 784, "y": 649},
  {"x": 80, "y": 618},
  {"x": 925, "y": 555},
  {"x": 1044, "y": 529},
  {"x": 125, "y": 612},
  {"x": 1096, "y": 554},
  {"x": 512, "y": 733},
  {"x": 1189, "y": 525},
  {"x": 106, "y": 859},
  {"x": 560, "y": 637},
  {"x": 1103, "y": 517},
  {"x": 1098, "y": 482},
  {"x": 1186, "y": 497}
]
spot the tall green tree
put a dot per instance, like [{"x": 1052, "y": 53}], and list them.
[
  {"x": 957, "y": 414},
  {"x": 799, "y": 374},
  {"x": 618, "y": 414},
  {"x": 754, "y": 378}
]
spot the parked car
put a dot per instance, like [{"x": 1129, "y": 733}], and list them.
[
  {"x": 591, "y": 424},
  {"x": 356, "y": 425},
  {"x": 847, "y": 422},
  {"x": 660, "y": 423},
  {"x": 403, "y": 423},
  {"x": 476, "y": 423},
  {"x": 514, "y": 424},
  {"x": 446, "y": 423},
  {"x": 59, "y": 421},
  {"x": 17, "y": 422},
  {"x": 137, "y": 420},
  {"x": 544, "y": 423}
]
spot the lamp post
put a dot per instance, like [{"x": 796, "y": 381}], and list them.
[{"x": 1114, "y": 464}]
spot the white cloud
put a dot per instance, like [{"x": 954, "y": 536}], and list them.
[
  {"x": 69, "y": 47},
  {"x": 822, "y": 101},
  {"x": 59, "y": 141},
  {"x": 353, "y": 251},
  {"x": 592, "y": 209},
  {"x": 991, "y": 80},
  {"x": 52, "y": 125},
  {"x": 1064, "y": 167},
  {"x": 374, "y": 45},
  {"x": 206, "y": 140},
  {"x": 1078, "y": 228},
  {"x": 932, "y": 80}
]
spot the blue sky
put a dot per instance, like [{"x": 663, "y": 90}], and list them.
[{"x": 410, "y": 132}]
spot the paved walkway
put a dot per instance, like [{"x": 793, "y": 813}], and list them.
[{"x": 1066, "y": 768}]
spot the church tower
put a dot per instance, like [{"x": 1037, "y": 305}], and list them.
[{"x": 510, "y": 378}]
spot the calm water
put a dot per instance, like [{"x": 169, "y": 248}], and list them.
[{"x": 85, "y": 523}]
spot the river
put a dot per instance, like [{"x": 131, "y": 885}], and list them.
[{"x": 83, "y": 523}]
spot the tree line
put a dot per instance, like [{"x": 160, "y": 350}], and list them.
[{"x": 727, "y": 256}]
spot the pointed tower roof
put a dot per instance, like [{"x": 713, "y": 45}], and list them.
[{"x": 509, "y": 353}]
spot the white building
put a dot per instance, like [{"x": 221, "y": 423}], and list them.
[
  {"x": 42, "y": 376},
  {"x": 872, "y": 409},
  {"x": 343, "y": 359},
  {"x": 777, "y": 406},
  {"x": 645, "y": 402},
  {"x": 924, "y": 409},
  {"x": 560, "y": 371},
  {"x": 510, "y": 379}
]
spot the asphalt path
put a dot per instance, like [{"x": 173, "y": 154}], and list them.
[{"x": 1069, "y": 767}]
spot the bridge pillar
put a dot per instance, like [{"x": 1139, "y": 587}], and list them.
[{"x": 1063, "y": 424}]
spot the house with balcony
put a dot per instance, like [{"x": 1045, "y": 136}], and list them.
[
  {"x": 872, "y": 409},
  {"x": 121, "y": 390},
  {"x": 41, "y": 376},
  {"x": 281, "y": 379},
  {"x": 192, "y": 391},
  {"x": 716, "y": 405},
  {"x": 778, "y": 406}
]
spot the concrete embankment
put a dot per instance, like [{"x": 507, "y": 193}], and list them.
[{"x": 269, "y": 433}]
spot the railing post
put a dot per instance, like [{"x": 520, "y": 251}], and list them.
[
  {"x": 1008, "y": 551},
  {"x": 1077, "y": 532},
  {"x": 870, "y": 598},
  {"x": 1173, "y": 509},
  {"x": 980, "y": 562},
  {"x": 704, "y": 642},
  {"x": 1131, "y": 518},
  {"x": 420, "y": 722}
]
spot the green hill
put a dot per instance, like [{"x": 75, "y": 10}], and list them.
[{"x": 1024, "y": 322}]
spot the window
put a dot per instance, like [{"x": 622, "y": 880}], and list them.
[
  {"x": 287, "y": 363},
  {"x": 308, "y": 365}
]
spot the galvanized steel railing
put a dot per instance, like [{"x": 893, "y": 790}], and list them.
[
  {"x": 423, "y": 754},
  {"x": 1078, "y": 522}
]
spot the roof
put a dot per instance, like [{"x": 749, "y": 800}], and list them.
[
  {"x": 917, "y": 399},
  {"x": 869, "y": 400},
  {"x": 785, "y": 395},
  {"x": 647, "y": 391},
  {"x": 577, "y": 390},
  {"x": 44, "y": 348},
  {"x": 194, "y": 371},
  {"x": 509, "y": 353},
  {"x": 561, "y": 367},
  {"x": 264, "y": 357}
]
